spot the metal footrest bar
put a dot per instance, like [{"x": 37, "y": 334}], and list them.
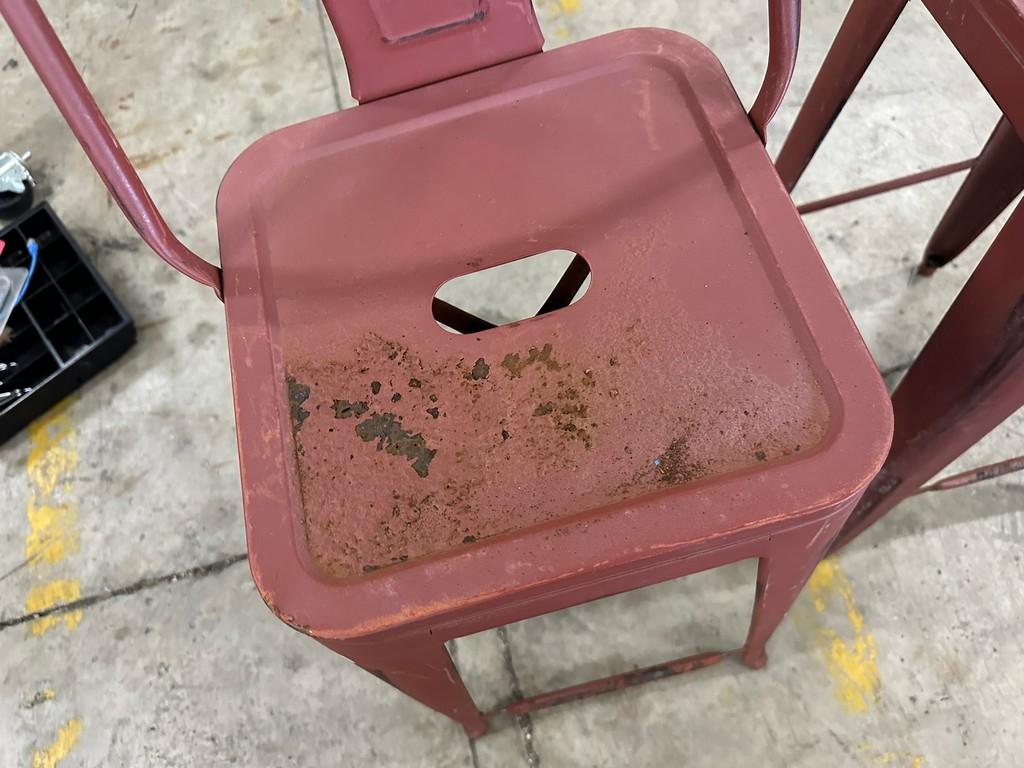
[
  {"x": 987, "y": 472},
  {"x": 614, "y": 683},
  {"x": 885, "y": 186}
]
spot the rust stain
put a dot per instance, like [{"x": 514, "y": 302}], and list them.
[
  {"x": 149, "y": 159},
  {"x": 515, "y": 365},
  {"x": 674, "y": 465},
  {"x": 345, "y": 409},
  {"x": 481, "y": 370},
  {"x": 572, "y": 416},
  {"x": 569, "y": 415},
  {"x": 297, "y": 395},
  {"x": 386, "y": 428}
]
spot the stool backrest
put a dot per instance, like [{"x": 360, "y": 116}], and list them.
[
  {"x": 389, "y": 45},
  {"x": 395, "y": 45}
]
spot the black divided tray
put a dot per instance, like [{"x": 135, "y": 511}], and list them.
[{"x": 68, "y": 327}]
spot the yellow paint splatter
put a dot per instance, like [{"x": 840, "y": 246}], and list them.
[
  {"x": 48, "y": 595},
  {"x": 52, "y": 462},
  {"x": 557, "y": 14},
  {"x": 52, "y": 535},
  {"x": 852, "y": 661},
  {"x": 893, "y": 759},
  {"x": 67, "y": 737}
]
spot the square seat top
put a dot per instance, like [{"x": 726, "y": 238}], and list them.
[{"x": 709, "y": 381}]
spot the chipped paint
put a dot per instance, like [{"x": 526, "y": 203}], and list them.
[
  {"x": 543, "y": 410},
  {"x": 386, "y": 429},
  {"x": 41, "y": 697},
  {"x": 849, "y": 652},
  {"x": 297, "y": 395},
  {"x": 481, "y": 370},
  {"x": 346, "y": 409},
  {"x": 61, "y": 747}
]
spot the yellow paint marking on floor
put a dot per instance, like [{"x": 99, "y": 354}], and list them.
[
  {"x": 850, "y": 655},
  {"x": 893, "y": 759},
  {"x": 556, "y": 13},
  {"x": 67, "y": 737},
  {"x": 52, "y": 535},
  {"x": 53, "y": 593},
  {"x": 51, "y": 466}
]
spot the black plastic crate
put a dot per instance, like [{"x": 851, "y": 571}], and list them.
[{"x": 67, "y": 328}]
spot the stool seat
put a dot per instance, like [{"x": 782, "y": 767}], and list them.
[{"x": 709, "y": 380}]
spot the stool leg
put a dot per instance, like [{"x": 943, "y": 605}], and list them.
[
  {"x": 866, "y": 25},
  {"x": 994, "y": 180},
  {"x": 781, "y": 574},
  {"x": 967, "y": 380},
  {"x": 426, "y": 673}
]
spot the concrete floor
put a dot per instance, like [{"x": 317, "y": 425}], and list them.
[{"x": 904, "y": 651}]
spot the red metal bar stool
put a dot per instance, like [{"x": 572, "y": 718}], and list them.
[
  {"x": 967, "y": 379},
  {"x": 708, "y": 400},
  {"x": 989, "y": 37}
]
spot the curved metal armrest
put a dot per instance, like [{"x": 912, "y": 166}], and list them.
[
  {"x": 65, "y": 84},
  {"x": 783, "y": 39}
]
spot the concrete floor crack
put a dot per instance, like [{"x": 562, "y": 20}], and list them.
[
  {"x": 523, "y": 722},
  {"x": 191, "y": 574}
]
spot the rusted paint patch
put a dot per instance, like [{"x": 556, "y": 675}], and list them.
[
  {"x": 569, "y": 415},
  {"x": 386, "y": 428},
  {"x": 596, "y": 439},
  {"x": 481, "y": 370},
  {"x": 345, "y": 409},
  {"x": 515, "y": 365},
  {"x": 674, "y": 465},
  {"x": 297, "y": 395}
]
